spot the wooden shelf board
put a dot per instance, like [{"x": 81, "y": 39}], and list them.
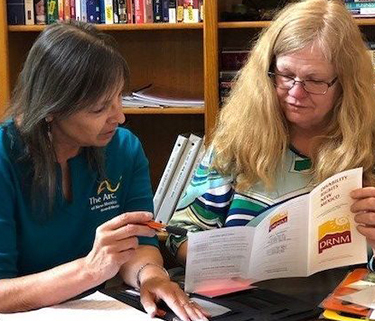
[
  {"x": 118, "y": 27},
  {"x": 161, "y": 110},
  {"x": 365, "y": 21},
  {"x": 263, "y": 24},
  {"x": 243, "y": 24}
]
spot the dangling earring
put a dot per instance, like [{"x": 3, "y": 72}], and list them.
[{"x": 49, "y": 134}]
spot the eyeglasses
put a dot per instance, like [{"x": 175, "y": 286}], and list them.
[{"x": 311, "y": 86}]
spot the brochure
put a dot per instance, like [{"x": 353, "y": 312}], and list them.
[{"x": 300, "y": 237}]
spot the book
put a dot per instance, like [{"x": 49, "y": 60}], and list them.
[
  {"x": 191, "y": 11},
  {"x": 304, "y": 235},
  {"x": 52, "y": 11},
  {"x": 93, "y": 11},
  {"x": 108, "y": 16},
  {"x": 158, "y": 14},
  {"x": 165, "y": 10},
  {"x": 40, "y": 12},
  {"x": 29, "y": 12},
  {"x": 178, "y": 180},
  {"x": 83, "y": 10},
  {"x": 149, "y": 11},
  {"x": 180, "y": 11},
  {"x": 169, "y": 170},
  {"x": 139, "y": 11},
  {"x": 16, "y": 12},
  {"x": 334, "y": 302},
  {"x": 172, "y": 11},
  {"x": 122, "y": 11}
]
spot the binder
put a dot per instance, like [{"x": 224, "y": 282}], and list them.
[
  {"x": 178, "y": 180},
  {"x": 169, "y": 170}
]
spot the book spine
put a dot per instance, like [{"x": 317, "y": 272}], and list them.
[
  {"x": 73, "y": 9},
  {"x": 108, "y": 10},
  {"x": 16, "y": 12},
  {"x": 40, "y": 12},
  {"x": 52, "y": 11},
  {"x": 149, "y": 12},
  {"x": 122, "y": 11},
  {"x": 66, "y": 9},
  {"x": 93, "y": 11},
  {"x": 180, "y": 11},
  {"x": 191, "y": 11},
  {"x": 170, "y": 168},
  {"x": 60, "y": 9},
  {"x": 84, "y": 10},
  {"x": 201, "y": 10},
  {"x": 129, "y": 9},
  {"x": 115, "y": 11},
  {"x": 139, "y": 11},
  {"x": 78, "y": 8},
  {"x": 29, "y": 12},
  {"x": 102, "y": 11},
  {"x": 172, "y": 11},
  {"x": 157, "y": 11},
  {"x": 165, "y": 10},
  {"x": 179, "y": 178}
]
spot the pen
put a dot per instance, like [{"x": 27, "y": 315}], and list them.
[{"x": 164, "y": 227}]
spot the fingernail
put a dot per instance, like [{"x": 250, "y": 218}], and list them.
[{"x": 151, "y": 310}]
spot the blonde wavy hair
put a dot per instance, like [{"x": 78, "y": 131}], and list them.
[{"x": 251, "y": 137}]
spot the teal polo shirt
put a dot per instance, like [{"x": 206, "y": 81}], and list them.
[{"x": 30, "y": 243}]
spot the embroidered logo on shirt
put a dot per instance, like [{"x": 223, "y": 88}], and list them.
[
  {"x": 107, "y": 185},
  {"x": 106, "y": 198}
]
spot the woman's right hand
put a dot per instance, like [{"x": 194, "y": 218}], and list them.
[{"x": 115, "y": 244}]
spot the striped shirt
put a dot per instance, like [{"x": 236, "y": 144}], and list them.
[{"x": 211, "y": 200}]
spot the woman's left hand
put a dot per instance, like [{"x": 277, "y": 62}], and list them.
[
  {"x": 156, "y": 288},
  {"x": 364, "y": 210}
]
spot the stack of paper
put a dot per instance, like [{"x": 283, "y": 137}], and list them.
[
  {"x": 154, "y": 96},
  {"x": 354, "y": 296}
]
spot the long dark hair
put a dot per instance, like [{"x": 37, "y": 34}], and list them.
[{"x": 69, "y": 68}]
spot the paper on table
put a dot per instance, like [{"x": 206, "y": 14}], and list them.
[
  {"x": 364, "y": 297},
  {"x": 95, "y": 307},
  {"x": 213, "y": 308}
]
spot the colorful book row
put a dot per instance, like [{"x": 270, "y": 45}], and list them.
[{"x": 30, "y": 12}]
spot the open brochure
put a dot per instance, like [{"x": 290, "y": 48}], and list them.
[{"x": 300, "y": 237}]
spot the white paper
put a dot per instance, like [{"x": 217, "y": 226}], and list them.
[
  {"x": 304, "y": 235},
  {"x": 95, "y": 307},
  {"x": 364, "y": 297},
  {"x": 213, "y": 308},
  {"x": 218, "y": 254}
]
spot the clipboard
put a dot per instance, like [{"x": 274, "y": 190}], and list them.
[{"x": 250, "y": 305}]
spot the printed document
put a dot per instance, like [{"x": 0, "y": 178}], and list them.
[{"x": 300, "y": 237}]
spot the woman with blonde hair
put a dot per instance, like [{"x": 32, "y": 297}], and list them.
[{"x": 302, "y": 109}]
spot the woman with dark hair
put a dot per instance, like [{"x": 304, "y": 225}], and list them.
[{"x": 75, "y": 187}]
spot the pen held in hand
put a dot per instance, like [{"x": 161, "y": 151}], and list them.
[{"x": 167, "y": 228}]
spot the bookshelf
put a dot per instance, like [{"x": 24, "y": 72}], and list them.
[{"x": 184, "y": 56}]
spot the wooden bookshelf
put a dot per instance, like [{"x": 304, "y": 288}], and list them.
[{"x": 179, "y": 56}]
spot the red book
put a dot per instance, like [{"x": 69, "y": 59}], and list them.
[{"x": 139, "y": 11}]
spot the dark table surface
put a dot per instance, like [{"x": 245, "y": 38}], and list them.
[{"x": 312, "y": 289}]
